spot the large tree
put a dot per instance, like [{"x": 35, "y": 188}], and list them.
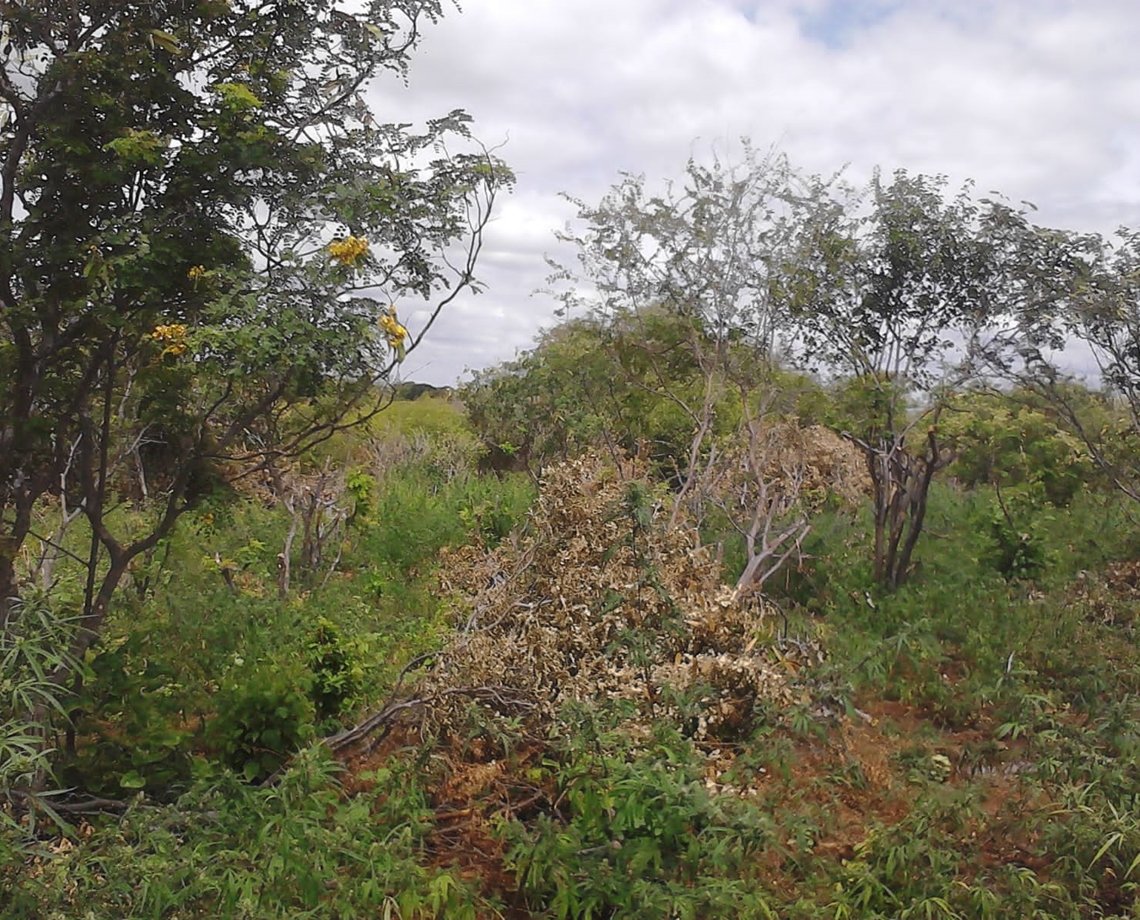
[{"x": 203, "y": 230}]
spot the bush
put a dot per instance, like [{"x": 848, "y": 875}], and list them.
[
  {"x": 264, "y": 715},
  {"x": 640, "y": 835},
  {"x": 1016, "y": 525},
  {"x": 1002, "y": 441},
  {"x": 337, "y": 663},
  {"x": 300, "y": 848}
]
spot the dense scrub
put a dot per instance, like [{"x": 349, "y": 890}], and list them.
[
  {"x": 962, "y": 747},
  {"x": 791, "y": 576}
]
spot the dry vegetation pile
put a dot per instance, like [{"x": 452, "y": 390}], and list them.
[
  {"x": 597, "y": 599},
  {"x": 826, "y": 464},
  {"x": 780, "y": 471},
  {"x": 1112, "y": 596}
]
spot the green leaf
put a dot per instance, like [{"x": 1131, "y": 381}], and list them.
[
  {"x": 237, "y": 97},
  {"x": 132, "y": 780},
  {"x": 165, "y": 41}
]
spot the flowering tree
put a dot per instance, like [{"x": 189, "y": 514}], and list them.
[{"x": 202, "y": 230}]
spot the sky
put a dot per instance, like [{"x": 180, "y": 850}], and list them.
[{"x": 1036, "y": 99}]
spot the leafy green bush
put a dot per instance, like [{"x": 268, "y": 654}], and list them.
[
  {"x": 265, "y": 713},
  {"x": 638, "y": 834},
  {"x": 1019, "y": 551},
  {"x": 300, "y": 848},
  {"x": 1005, "y": 440},
  {"x": 337, "y": 663},
  {"x": 131, "y": 714},
  {"x": 361, "y": 485}
]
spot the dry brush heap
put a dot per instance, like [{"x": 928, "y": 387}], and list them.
[{"x": 597, "y": 600}]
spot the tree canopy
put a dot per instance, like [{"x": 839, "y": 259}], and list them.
[{"x": 209, "y": 243}]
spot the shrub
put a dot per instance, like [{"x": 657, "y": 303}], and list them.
[
  {"x": 264, "y": 715},
  {"x": 640, "y": 835},
  {"x": 1018, "y": 548},
  {"x": 337, "y": 663}
]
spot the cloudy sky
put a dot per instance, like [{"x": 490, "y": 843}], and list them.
[{"x": 1037, "y": 99}]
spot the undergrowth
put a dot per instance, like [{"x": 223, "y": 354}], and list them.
[{"x": 965, "y": 747}]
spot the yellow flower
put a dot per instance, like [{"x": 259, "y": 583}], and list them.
[
  {"x": 174, "y": 332},
  {"x": 394, "y": 331},
  {"x": 349, "y": 250},
  {"x": 173, "y": 336},
  {"x": 196, "y": 273}
]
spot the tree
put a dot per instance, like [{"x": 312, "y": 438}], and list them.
[
  {"x": 203, "y": 229},
  {"x": 707, "y": 261},
  {"x": 1100, "y": 313},
  {"x": 1072, "y": 296},
  {"x": 887, "y": 300},
  {"x": 1106, "y": 317}
]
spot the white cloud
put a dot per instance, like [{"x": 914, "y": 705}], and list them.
[{"x": 1038, "y": 99}]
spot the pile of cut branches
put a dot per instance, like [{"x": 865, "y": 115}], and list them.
[{"x": 597, "y": 599}]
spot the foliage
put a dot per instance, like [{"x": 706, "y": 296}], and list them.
[
  {"x": 194, "y": 197},
  {"x": 884, "y": 298},
  {"x": 588, "y": 384},
  {"x": 264, "y": 715},
  {"x": 713, "y": 252},
  {"x": 206, "y": 609},
  {"x": 337, "y": 667},
  {"x": 298, "y": 848},
  {"x": 1004, "y": 439},
  {"x": 1018, "y": 552},
  {"x": 884, "y": 288},
  {"x": 637, "y": 832},
  {"x": 130, "y": 712},
  {"x": 1071, "y": 287},
  {"x": 29, "y": 651}
]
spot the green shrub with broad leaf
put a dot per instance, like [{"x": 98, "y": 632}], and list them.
[
  {"x": 637, "y": 833},
  {"x": 265, "y": 714}
]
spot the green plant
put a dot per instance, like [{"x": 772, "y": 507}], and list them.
[
  {"x": 194, "y": 167},
  {"x": 300, "y": 848},
  {"x": 1008, "y": 440},
  {"x": 361, "y": 485},
  {"x": 638, "y": 833},
  {"x": 130, "y": 714},
  {"x": 29, "y": 650},
  {"x": 264, "y": 714},
  {"x": 337, "y": 664},
  {"x": 1014, "y": 526}
]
